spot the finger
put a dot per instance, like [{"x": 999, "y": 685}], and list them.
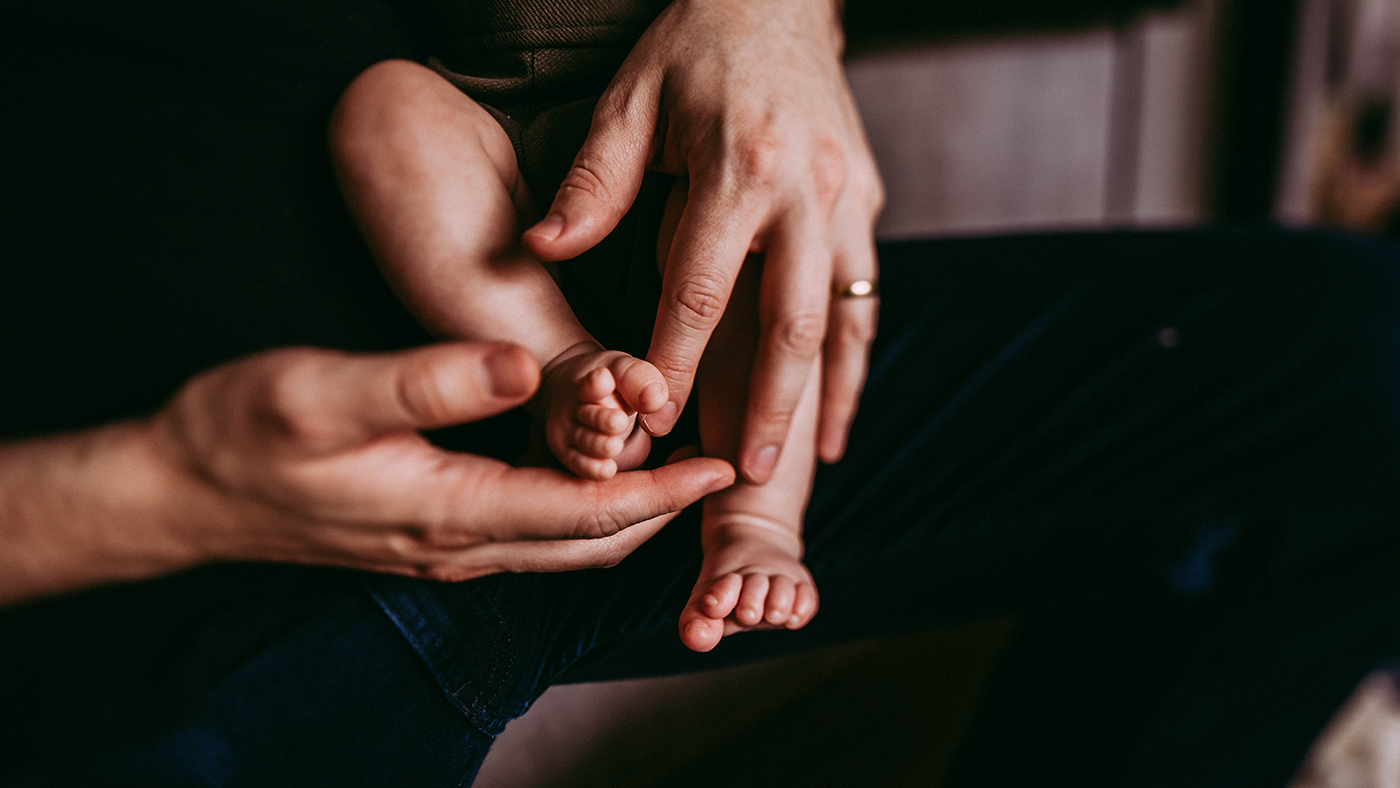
[
  {"x": 709, "y": 247},
  {"x": 793, "y": 300},
  {"x": 749, "y": 611},
  {"x": 606, "y": 174},
  {"x": 537, "y": 503},
  {"x": 781, "y": 593},
  {"x": 424, "y": 388},
  {"x": 558, "y": 555},
  {"x": 849, "y": 334}
]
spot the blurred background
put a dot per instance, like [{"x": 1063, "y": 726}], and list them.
[
  {"x": 1087, "y": 113},
  {"x": 1027, "y": 116}
]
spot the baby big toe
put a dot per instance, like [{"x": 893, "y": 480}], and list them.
[
  {"x": 699, "y": 633},
  {"x": 641, "y": 385}
]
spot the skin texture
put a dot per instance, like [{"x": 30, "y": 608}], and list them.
[
  {"x": 746, "y": 100},
  {"x": 458, "y": 167},
  {"x": 314, "y": 456},
  {"x": 752, "y": 576},
  {"x": 749, "y": 103}
]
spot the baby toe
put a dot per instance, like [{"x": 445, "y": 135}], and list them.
[
  {"x": 640, "y": 384},
  {"x": 592, "y": 444},
  {"x": 749, "y": 611},
  {"x": 596, "y": 386},
  {"x": 804, "y": 605},
  {"x": 589, "y": 467},
  {"x": 781, "y": 594},
  {"x": 720, "y": 598},
  {"x": 601, "y": 418},
  {"x": 699, "y": 633}
]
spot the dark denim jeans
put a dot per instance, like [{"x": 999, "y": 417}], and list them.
[{"x": 1176, "y": 454}]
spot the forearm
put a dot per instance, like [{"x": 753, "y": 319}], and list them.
[{"x": 87, "y": 508}]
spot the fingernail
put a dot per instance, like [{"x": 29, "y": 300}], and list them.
[
  {"x": 661, "y": 422},
  {"x": 722, "y": 483},
  {"x": 549, "y": 228},
  {"x": 509, "y": 378},
  {"x": 651, "y": 394},
  {"x": 762, "y": 463}
]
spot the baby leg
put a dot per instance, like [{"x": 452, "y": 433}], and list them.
[
  {"x": 433, "y": 183},
  {"x": 752, "y": 576}
]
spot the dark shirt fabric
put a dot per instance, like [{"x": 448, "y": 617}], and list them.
[{"x": 539, "y": 68}]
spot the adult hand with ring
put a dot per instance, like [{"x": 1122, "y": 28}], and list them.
[{"x": 749, "y": 103}]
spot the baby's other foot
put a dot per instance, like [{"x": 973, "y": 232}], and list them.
[
  {"x": 592, "y": 401},
  {"x": 752, "y": 578}
]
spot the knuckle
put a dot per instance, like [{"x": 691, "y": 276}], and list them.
[
  {"x": 773, "y": 419},
  {"x": 875, "y": 194},
  {"x": 801, "y": 334},
  {"x": 856, "y": 333},
  {"x": 759, "y": 157},
  {"x": 286, "y": 403},
  {"x": 591, "y": 177},
  {"x": 418, "y": 394},
  {"x": 606, "y": 559},
  {"x": 829, "y": 170},
  {"x": 601, "y": 519},
  {"x": 698, "y": 302}
]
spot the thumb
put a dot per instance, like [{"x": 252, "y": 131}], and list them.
[
  {"x": 605, "y": 176},
  {"x": 435, "y": 386}
]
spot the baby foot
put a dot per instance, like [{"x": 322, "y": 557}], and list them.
[
  {"x": 590, "y": 405},
  {"x": 752, "y": 578}
]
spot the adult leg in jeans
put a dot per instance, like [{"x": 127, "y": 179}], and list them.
[
  {"x": 1193, "y": 432},
  {"x": 1178, "y": 450}
]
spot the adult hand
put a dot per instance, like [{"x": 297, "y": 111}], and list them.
[
  {"x": 748, "y": 101},
  {"x": 314, "y": 456}
]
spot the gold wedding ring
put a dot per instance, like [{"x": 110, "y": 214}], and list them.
[{"x": 860, "y": 288}]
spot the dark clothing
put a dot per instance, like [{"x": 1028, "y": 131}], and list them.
[{"x": 1175, "y": 454}]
